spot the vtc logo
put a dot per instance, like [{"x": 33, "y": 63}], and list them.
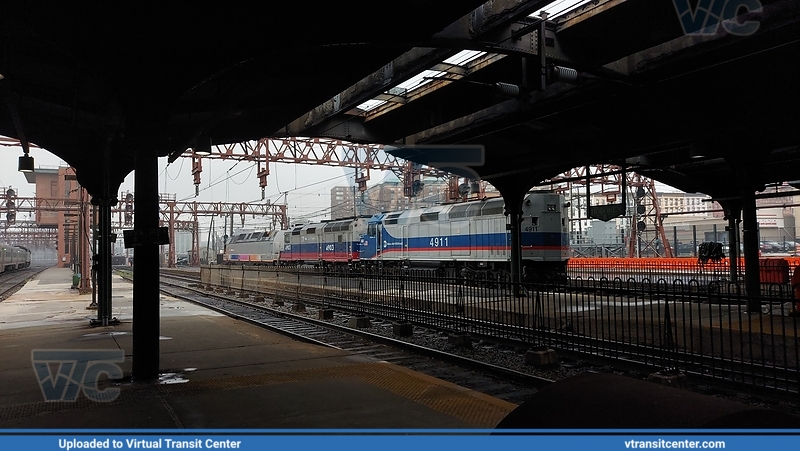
[
  {"x": 710, "y": 14},
  {"x": 78, "y": 370}
]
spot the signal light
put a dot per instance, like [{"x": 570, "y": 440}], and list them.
[
  {"x": 25, "y": 163},
  {"x": 202, "y": 146}
]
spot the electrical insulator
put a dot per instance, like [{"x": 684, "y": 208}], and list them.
[
  {"x": 563, "y": 74},
  {"x": 507, "y": 89},
  {"x": 416, "y": 187},
  {"x": 474, "y": 187}
]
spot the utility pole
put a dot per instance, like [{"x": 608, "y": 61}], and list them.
[
  {"x": 225, "y": 235},
  {"x": 208, "y": 244},
  {"x": 355, "y": 213}
]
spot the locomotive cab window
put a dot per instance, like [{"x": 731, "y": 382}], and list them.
[
  {"x": 371, "y": 230},
  {"x": 339, "y": 239}
]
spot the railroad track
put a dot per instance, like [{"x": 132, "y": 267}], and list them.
[
  {"x": 498, "y": 381},
  {"x": 627, "y": 359},
  {"x": 12, "y": 281},
  {"x": 573, "y": 362}
]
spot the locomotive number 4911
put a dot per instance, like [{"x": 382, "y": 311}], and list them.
[{"x": 439, "y": 242}]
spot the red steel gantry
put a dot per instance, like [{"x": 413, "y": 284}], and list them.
[
  {"x": 642, "y": 203},
  {"x": 315, "y": 151},
  {"x": 172, "y": 213}
]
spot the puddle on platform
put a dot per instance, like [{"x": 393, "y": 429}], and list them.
[
  {"x": 104, "y": 334},
  {"x": 189, "y": 370},
  {"x": 164, "y": 338},
  {"x": 171, "y": 378}
]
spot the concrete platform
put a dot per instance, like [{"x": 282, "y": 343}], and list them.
[{"x": 217, "y": 373}]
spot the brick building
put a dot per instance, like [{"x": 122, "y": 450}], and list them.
[{"x": 57, "y": 187}]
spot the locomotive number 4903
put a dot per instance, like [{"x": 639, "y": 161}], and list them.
[{"x": 439, "y": 242}]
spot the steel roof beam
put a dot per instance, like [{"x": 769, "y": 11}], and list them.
[{"x": 461, "y": 34}]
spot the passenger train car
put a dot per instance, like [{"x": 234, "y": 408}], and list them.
[
  {"x": 469, "y": 236},
  {"x": 13, "y": 257},
  {"x": 472, "y": 236},
  {"x": 255, "y": 247},
  {"x": 332, "y": 242}
]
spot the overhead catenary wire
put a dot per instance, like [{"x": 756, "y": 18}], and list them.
[
  {"x": 279, "y": 194},
  {"x": 180, "y": 169},
  {"x": 246, "y": 178},
  {"x": 216, "y": 182}
]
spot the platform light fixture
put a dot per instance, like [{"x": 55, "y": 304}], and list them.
[
  {"x": 202, "y": 146},
  {"x": 697, "y": 151},
  {"x": 25, "y": 162}
]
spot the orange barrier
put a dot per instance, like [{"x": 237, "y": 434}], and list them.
[
  {"x": 776, "y": 270},
  {"x": 678, "y": 263},
  {"x": 773, "y": 270},
  {"x": 796, "y": 286}
]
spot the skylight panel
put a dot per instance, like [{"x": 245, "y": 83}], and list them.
[
  {"x": 560, "y": 7},
  {"x": 370, "y": 104},
  {"x": 420, "y": 79},
  {"x": 463, "y": 57}
]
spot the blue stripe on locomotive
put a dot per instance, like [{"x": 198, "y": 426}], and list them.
[
  {"x": 311, "y": 251},
  {"x": 502, "y": 240}
]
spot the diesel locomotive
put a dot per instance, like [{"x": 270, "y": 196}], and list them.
[{"x": 465, "y": 237}]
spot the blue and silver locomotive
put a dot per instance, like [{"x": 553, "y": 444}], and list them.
[{"x": 472, "y": 236}]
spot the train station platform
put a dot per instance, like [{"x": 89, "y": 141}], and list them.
[{"x": 217, "y": 372}]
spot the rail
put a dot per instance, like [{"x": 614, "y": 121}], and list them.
[{"x": 676, "y": 324}]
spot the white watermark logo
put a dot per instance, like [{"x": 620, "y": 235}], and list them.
[
  {"x": 76, "y": 371},
  {"x": 708, "y": 15}
]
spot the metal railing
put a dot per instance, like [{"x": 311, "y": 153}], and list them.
[{"x": 698, "y": 326}]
